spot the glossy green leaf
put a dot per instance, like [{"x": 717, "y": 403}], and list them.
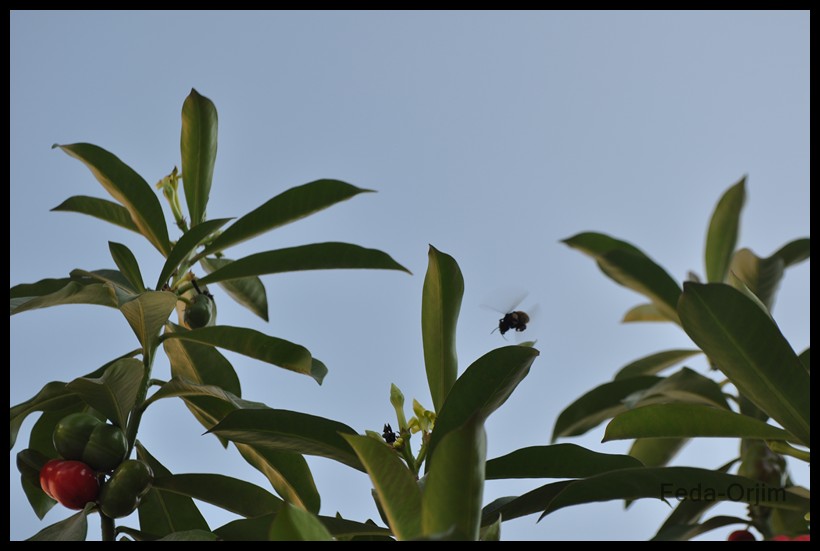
[
  {"x": 760, "y": 275},
  {"x": 747, "y": 346},
  {"x": 29, "y": 463},
  {"x": 511, "y": 507},
  {"x": 318, "y": 256},
  {"x": 644, "y": 312},
  {"x": 794, "y": 252},
  {"x": 654, "y": 363},
  {"x": 687, "y": 386},
  {"x": 440, "y": 305},
  {"x": 257, "y": 529},
  {"x": 598, "y": 405},
  {"x": 398, "y": 491},
  {"x": 115, "y": 393},
  {"x": 656, "y": 452},
  {"x": 162, "y": 512},
  {"x": 687, "y": 512},
  {"x": 685, "y": 532},
  {"x": 721, "y": 237},
  {"x": 247, "y": 291},
  {"x": 177, "y": 387},
  {"x": 556, "y": 461},
  {"x": 127, "y": 187},
  {"x": 289, "y": 206},
  {"x": 198, "y": 148},
  {"x": 342, "y": 528},
  {"x": 805, "y": 359},
  {"x": 629, "y": 266},
  {"x": 641, "y": 274},
  {"x": 255, "y": 345},
  {"x": 483, "y": 387},
  {"x": 74, "y": 528},
  {"x": 233, "y": 495},
  {"x": 187, "y": 243},
  {"x": 673, "y": 483},
  {"x": 491, "y": 532},
  {"x": 293, "y": 524},
  {"x": 288, "y": 473},
  {"x": 127, "y": 263},
  {"x": 688, "y": 421},
  {"x": 83, "y": 291},
  {"x": 147, "y": 313},
  {"x": 112, "y": 277},
  {"x": 190, "y": 535},
  {"x": 454, "y": 488},
  {"x": 54, "y": 396},
  {"x": 99, "y": 208},
  {"x": 290, "y": 431}
]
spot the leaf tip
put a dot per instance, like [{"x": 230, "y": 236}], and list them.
[{"x": 55, "y": 146}]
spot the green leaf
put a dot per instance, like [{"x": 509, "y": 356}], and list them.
[
  {"x": 290, "y": 431},
  {"x": 686, "y": 513},
  {"x": 644, "y": 312},
  {"x": 685, "y": 532},
  {"x": 673, "y": 483},
  {"x": 760, "y": 275},
  {"x": 30, "y": 462},
  {"x": 656, "y": 452},
  {"x": 187, "y": 243},
  {"x": 347, "y": 529},
  {"x": 794, "y": 252},
  {"x": 641, "y": 274},
  {"x": 483, "y": 387},
  {"x": 162, "y": 512},
  {"x": 395, "y": 485},
  {"x": 292, "y": 524},
  {"x": 491, "y": 532},
  {"x": 556, "y": 461},
  {"x": 512, "y": 507},
  {"x": 246, "y": 529},
  {"x": 454, "y": 488},
  {"x": 247, "y": 291},
  {"x": 288, "y": 473},
  {"x": 52, "y": 397},
  {"x": 721, "y": 237},
  {"x": 190, "y": 535},
  {"x": 688, "y": 421},
  {"x": 805, "y": 359},
  {"x": 318, "y": 256},
  {"x": 747, "y": 346},
  {"x": 83, "y": 291},
  {"x": 74, "y": 528},
  {"x": 198, "y": 147},
  {"x": 183, "y": 388},
  {"x": 685, "y": 386},
  {"x": 115, "y": 393},
  {"x": 654, "y": 363},
  {"x": 127, "y": 187},
  {"x": 112, "y": 277},
  {"x": 127, "y": 263},
  {"x": 147, "y": 313},
  {"x": 289, "y": 206},
  {"x": 629, "y": 266},
  {"x": 440, "y": 305},
  {"x": 99, "y": 208},
  {"x": 233, "y": 495},
  {"x": 199, "y": 363},
  {"x": 256, "y": 345},
  {"x": 598, "y": 405}
]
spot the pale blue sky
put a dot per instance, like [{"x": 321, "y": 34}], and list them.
[{"x": 490, "y": 135}]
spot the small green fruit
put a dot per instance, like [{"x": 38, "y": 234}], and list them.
[
  {"x": 199, "y": 312},
  {"x": 83, "y": 437},
  {"x": 129, "y": 483}
]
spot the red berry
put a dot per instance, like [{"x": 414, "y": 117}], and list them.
[
  {"x": 741, "y": 535},
  {"x": 72, "y": 483}
]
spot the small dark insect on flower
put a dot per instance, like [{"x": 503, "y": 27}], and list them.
[{"x": 388, "y": 434}]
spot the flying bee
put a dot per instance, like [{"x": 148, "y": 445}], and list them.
[
  {"x": 517, "y": 320},
  {"x": 513, "y": 318}
]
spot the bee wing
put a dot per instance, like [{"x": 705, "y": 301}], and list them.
[{"x": 504, "y": 300}]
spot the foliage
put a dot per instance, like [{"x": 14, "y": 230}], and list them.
[
  {"x": 428, "y": 474},
  {"x": 729, "y": 319}
]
